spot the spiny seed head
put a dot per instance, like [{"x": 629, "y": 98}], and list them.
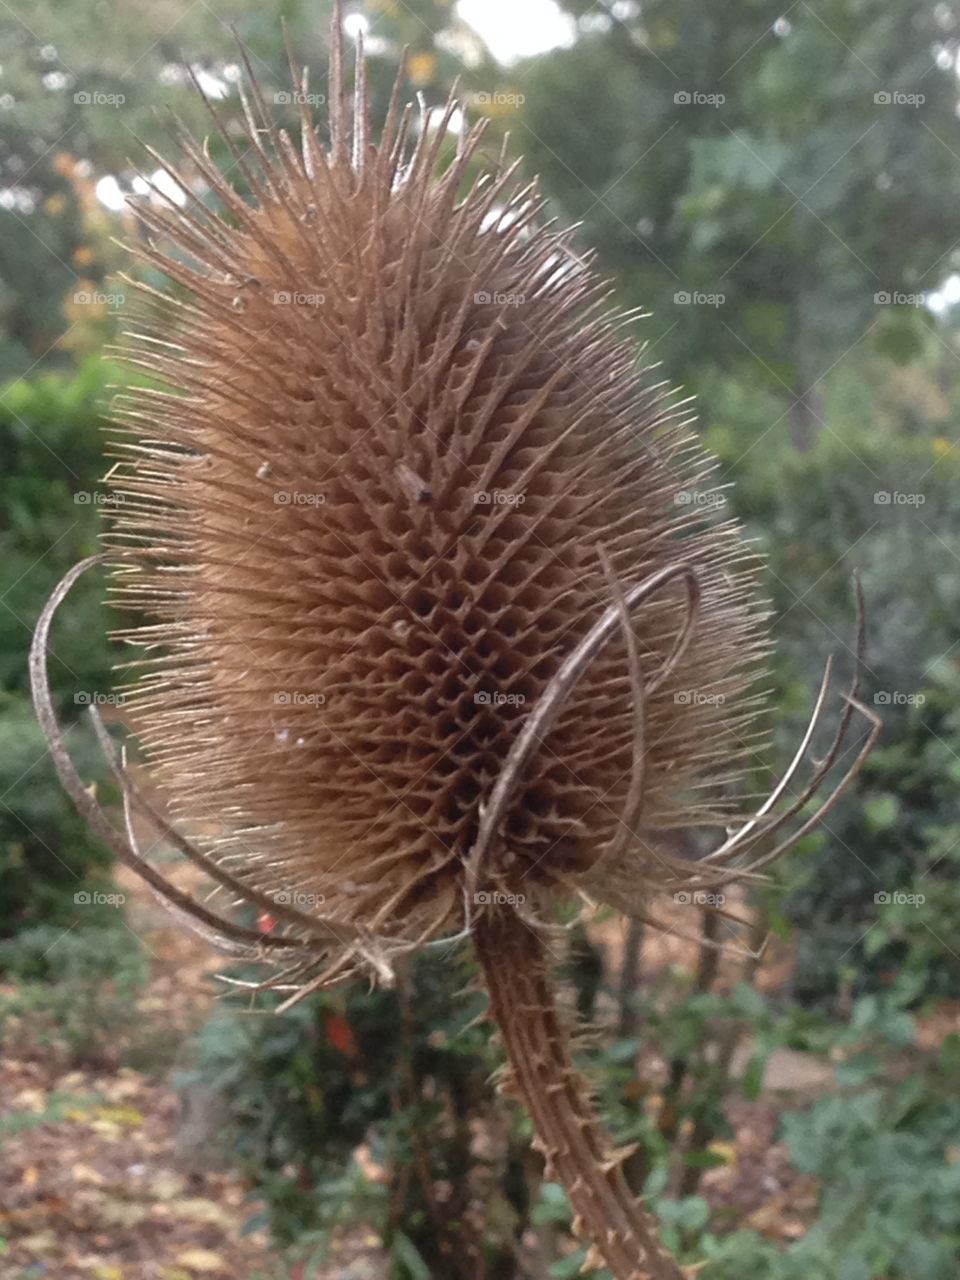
[{"x": 404, "y": 459}]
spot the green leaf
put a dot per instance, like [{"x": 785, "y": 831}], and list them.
[
  {"x": 881, "y": 811},
  {"x": 752, "y": 1080},
  {"x": 405, "y": 1253}
]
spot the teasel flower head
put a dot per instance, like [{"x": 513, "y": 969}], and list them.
[{"x": 437, "y": 625}]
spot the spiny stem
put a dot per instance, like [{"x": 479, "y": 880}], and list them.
[{"x": 577, "y": 1151}]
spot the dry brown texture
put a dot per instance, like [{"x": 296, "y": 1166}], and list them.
[{"x": 373, "y": 518}]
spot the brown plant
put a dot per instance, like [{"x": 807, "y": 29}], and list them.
[{"x": 434, "y": 630}]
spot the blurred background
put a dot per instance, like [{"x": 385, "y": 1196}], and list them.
[{"x": 780, "y": 188}]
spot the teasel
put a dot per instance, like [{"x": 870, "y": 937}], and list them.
[{"x": 436, "y": 630}]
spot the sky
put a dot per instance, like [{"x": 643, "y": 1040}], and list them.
[{"x": 514, "y": 29}]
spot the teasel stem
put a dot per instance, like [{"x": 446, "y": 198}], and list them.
[{"x": 577, "y": 1151}]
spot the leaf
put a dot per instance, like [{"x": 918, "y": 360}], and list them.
[
  {"x": 881, "y": 811},
  {"x": 709, "y": 1159},
  {"x": 950, "y": 1053},
  {"x": 752, "y": 1080},
  {"x": 339, "y": 1033},
  {"x": 407, "y": 1254},
  {"x": 204, "y": 1261}
]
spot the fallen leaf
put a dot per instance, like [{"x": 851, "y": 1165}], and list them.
[
  {"x": 130, "y": 1117},
  {"x": 727, "y": 1151},
  {"x": 204, "y": 1261},
  {"x": 167, "y": 1184},
  {"x": 200, "y": 1210}
]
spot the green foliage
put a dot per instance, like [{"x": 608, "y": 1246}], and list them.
[
  {"x": 408, "y": 1074},
  {"x": 877, "y": 888},
  {"x": 75, "y": 990},
  {"x": 747, "y": 154},
  {"x": 52, "y": 455},
  {"x": 882, "y": 1147},
  {"x": 889, "y": 1202}
]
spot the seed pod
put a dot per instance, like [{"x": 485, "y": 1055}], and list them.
[{"x": 438, "y": 626}]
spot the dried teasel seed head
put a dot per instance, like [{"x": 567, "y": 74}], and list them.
[{"x": 409, "y": 459}]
